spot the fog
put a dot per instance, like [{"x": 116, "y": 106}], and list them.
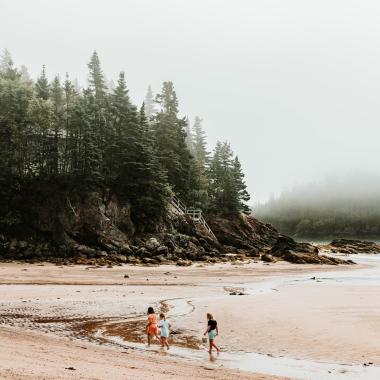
[
  {"x": 293, "y": 85},
  {"x": 337, "y": 206}
]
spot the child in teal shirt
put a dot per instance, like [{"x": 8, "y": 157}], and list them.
[{"x": 164, "y": 331}]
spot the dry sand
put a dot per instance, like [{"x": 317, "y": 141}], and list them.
[{"x": 53, "y": 318}]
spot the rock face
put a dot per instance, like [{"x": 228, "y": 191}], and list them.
[
  {"x": 95, "y": 228},
  {"x": 287, "y": 249},
  {"x": 353, "y": 246}
]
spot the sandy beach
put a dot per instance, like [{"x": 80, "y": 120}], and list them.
[{"x": 88, "y": 323}]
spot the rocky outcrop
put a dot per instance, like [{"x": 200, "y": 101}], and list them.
[
  {"x": 95, "y": 228},
  {"x": 244, "y": 232},
  {"x": 289, "y": 250},
  {"x": 347, "y": 246}
]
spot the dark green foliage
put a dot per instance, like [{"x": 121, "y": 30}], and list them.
[
  {"x": 227, "y": 188},
  {"x": 42, "y": 85},
  {"x": 241, "y": 187},
  {"x": 170, "y": 143},
  {"x": 94, "y": 138},
  {"x": 199, "y": 143},
  {"x": 142, "y": 177},
  {"x": 15, "y": 96}
]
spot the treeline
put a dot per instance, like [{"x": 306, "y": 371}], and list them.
[
  {"x": 346, "y": 207},
  {"x": 95, "y": 137}
]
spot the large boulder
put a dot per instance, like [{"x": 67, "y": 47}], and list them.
[
  {"x": 286, "y": 244},
  {"x": 243, "y": 232},
  {"x": 289, "y": 250}
]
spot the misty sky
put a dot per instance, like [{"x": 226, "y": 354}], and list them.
[{"x": 294, "y": 85}]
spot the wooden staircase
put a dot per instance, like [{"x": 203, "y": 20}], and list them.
[{"x": 195, "y": 214}]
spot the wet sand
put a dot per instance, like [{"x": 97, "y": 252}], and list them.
[{"x": 284, "y": 312}]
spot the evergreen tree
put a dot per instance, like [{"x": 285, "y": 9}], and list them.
[
  {"x": 72, "y": 127},
  {"x": 150, "y": 109},
  {"x": 96, "y": 78},
  {"x": 189, "y": 137},
  {"x": 15, "y": 96},
  {"x": 241, "y": 187},
  {"x": 7, "y": 69},
  {"x": 90, "y": 158},
  {"x": 151, "y": 191},
  {"x": 99, "y": 119},
  {"x": 196, "y": 142},
  {"x": 227, "y": 188},
  {"x": 140, "y": 179},
  {"x": 41, "y": 117},
  {"x": 170, "y": 142},
  {"x": 42, "y": 85},
  {"x": 199, "y": 143},
  {"x": 58, "y": 109},
  {"x": 123, "y": 114}
]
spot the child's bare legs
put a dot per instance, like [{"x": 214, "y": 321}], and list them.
[
  {"x": 149, "y": 339},
  {"x": 164, "y": 342},
  {"x": 212, "y": 344}
]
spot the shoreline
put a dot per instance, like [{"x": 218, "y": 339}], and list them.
[{"x": 146, "y": 285}]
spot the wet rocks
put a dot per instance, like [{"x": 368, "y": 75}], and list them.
[
  {"x": 95, "y": 229},
  {"x": 268, "y": 258},
  {"x": 183, "y": 263},
  {"x": 289, "y": 250},
  {"x": 347, "y": 246},
  {"x": 312, "y": 258}
]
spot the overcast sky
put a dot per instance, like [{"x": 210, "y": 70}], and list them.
[{"x": 294, "y": 85}]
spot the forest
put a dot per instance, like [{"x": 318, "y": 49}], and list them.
[
  {"x": 85, "y": 139},
  {"x": 346, "y": 206}
]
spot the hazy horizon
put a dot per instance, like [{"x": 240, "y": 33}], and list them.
[{"x": 292, "y": 85}]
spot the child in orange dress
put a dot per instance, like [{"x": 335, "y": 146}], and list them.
[{"x": 151, "y": 327}]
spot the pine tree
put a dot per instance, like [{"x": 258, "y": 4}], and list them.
[
  {"x": 123, "y": 113},
  {"x": 96, "y": 79},
  {"x": 140, "y": 179},
  {"x": 42, "y": 85},
  {"x": 199, "y": 143},
  {"x": 227, "y": 188},
  {"x": 99, "y": 120},
  {"x": 15, "y": 96},
  {"x": 90, "y": 158},
  {"x": 7, "y": 69},
  {"x": 58, "y": 122},
  {"x": 149, "y": 105},
  {"x": 152, "y": 191},
  {"x": 170, "y": 142},
  {"x": 189, "y": 137},
  {"x": 241, "y": 187},
  {"x": 41, "y": 117},
  {"x": 72, "y": 127}
]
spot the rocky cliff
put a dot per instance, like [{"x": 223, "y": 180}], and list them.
[{"x": 95, "y": 228}]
